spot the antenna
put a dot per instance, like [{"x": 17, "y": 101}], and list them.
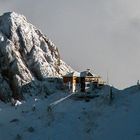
[
  {"x": 107, "y": 79},
  {"x": 109, "y": 89}
]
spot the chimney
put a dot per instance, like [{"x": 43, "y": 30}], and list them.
[{"x": 88, "y": 70}]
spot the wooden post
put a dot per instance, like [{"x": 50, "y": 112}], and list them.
[
  {"x": 110, "y": 95},
  {"x": 138, "y": 84}
]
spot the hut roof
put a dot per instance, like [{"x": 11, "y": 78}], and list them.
[
  {"x": 87, "y": 73},
  {"x": 75, "y": 73}
]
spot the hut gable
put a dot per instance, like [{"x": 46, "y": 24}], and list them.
[
  {"x": 73, "y": 74},
  {"x": 87, "y": 73},
  {"x": 71, "y": 80}
]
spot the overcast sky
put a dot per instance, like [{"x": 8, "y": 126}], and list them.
[{"x": 103, "y": 35}]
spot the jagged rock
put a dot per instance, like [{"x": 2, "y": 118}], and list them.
[{"x": 26, "y": 54}]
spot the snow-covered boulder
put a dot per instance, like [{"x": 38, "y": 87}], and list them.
[{"x": 26, "y": 54}]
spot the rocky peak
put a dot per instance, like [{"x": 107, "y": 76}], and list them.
[{"x": 26, "y": 53}]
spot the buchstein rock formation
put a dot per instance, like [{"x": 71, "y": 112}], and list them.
[{"x": 26, "y": 55}]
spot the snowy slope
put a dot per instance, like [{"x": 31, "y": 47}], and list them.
[
  {"x": 73, "y": 119},
  {"x": 122, "y": 120}
]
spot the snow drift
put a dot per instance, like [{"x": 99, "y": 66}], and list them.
[{"x": 26, "y": 55}]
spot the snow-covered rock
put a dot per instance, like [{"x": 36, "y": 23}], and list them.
[{"x": 26, "y": 54}]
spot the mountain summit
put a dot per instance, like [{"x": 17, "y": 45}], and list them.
[{"x": 26, "y": 54}]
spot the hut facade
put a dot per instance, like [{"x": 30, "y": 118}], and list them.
[
  {"x": 71, "y": 81},
  {"x": 82, "y": 82}
]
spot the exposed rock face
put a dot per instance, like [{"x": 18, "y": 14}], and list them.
[
  {"x": 5, "y": 91},
  {"x": 25, "y": 55}
]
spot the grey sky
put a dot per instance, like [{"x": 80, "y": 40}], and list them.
[{"x": 103, "y": 35}]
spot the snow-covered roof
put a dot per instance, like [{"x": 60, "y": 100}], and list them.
[
  {"x": 80, "y": 74},
  {"x": 75, "y": 73},
  {"x": 86, "y": 73}
]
